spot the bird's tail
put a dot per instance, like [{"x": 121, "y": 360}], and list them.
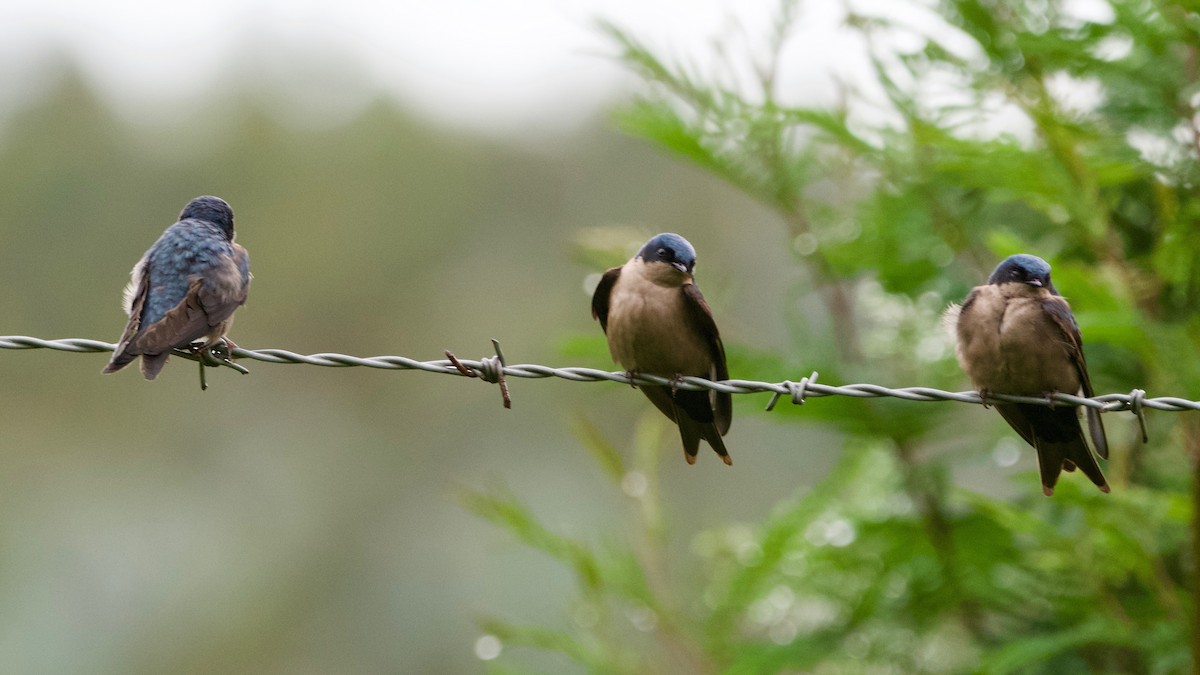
[
  {"x": 1056, "y": 435},
  {"x": 152, "y": 363},
  {"x": 713, "y": 436},
  {"x": 681, "y": 407},
  {"x": 691, "y": 431},
  {"x": 1054, "y": 457}
]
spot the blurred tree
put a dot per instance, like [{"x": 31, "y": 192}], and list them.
[{"x": 1010, "y": 126}]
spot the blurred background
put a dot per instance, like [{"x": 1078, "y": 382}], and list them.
[{"x": 416, "y": 177}]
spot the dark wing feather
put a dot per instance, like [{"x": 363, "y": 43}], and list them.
[
  {"x": 121, "y": 355},
  {"x": 181, "y": 325},
  {"x": 601, "y": 296},
  {"x": 661, "y": 398},
  {"x": 217, "y": 305},
  {"x": 971, "y": 297},
  {"x": 702, "y": 321},
  {"x": 1058, "y": 310},
  {"x": 1016, "y": 414}
]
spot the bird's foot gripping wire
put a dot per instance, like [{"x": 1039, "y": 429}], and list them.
[
  {"x": 676, "y": 380},
  {"x": 631, "y": 375},
  {"x": 985, "y": 397},
  {"x": 214, "y": 354},
  {"x": 1049, "y": 396}
]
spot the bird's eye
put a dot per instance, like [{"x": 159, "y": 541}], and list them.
[{"x": 662, "y": 253}]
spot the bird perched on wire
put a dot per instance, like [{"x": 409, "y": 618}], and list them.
[
  {"x": 185, "y": 288},
  {"x": 657, "y": 322},
  {"x": 1017, "y": 335}
]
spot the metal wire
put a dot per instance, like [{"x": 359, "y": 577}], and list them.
[{"x": 798, "y": 392}]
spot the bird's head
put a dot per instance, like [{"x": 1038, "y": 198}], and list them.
[
  {"x": 211, "y": 209},
  {"x": 670, "y": 249},
  {"x": 1023, "y": 269}
]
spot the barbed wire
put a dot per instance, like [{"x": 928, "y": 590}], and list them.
[{"x": 494, "y": 369}]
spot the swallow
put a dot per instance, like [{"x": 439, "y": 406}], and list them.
[
  {"x": 1017, "y": 335},
  {"x": 185, "y": 289},
  {"x": 657, "y": 322}
]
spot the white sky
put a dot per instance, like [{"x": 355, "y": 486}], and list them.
[{"x": 493, "y": 65}]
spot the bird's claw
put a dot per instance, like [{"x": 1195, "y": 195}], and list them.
[
  {"x": 209, "y": 353},
  {"x": 217, "y": 353},
  {"x": 630, "y": 375},
  {"x": 983, "y": 396},
  {"x": 676, "y": 380}
]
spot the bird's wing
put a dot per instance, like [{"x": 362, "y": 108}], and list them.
[
  {"x": 135, "y": 302},
  {"x": 661, "y": 398},
  {"x": 1060, "y": 314},
  {"x": 135, "y": 299},
  {"x": 971, "y": 298},
  {"x": 702, "y": 321},
  {"x": 227, "y": 287},
  {"x": 602, "y": 294},
  {"x": 181, "y": 325},
  {"x": 1018, "y": 417}
]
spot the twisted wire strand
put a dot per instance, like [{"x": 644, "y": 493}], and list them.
[{"x": 488, "y": 369}]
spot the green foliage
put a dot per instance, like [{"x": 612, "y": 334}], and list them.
[
  {"x": 982, "y": 153},
  {"x": 856, "y": 576}
]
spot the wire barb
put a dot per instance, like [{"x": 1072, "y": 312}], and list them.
[
  {"x": 811, "y": 389},
  {"x": 1136, "y": 399},
  {"x": 797, "y": 390},
  {"x": 488, "y": 369}
]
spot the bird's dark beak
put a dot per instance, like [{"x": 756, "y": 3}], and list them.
[
  {"x": 680, "y": 266},
  {"x": 1035, "y": 282}
]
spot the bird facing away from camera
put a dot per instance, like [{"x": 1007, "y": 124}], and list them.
[
  {"x": 1017, "y": 335},
  {"x": 657, "y": 323},
  {"x": 185, "y": 288}
]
